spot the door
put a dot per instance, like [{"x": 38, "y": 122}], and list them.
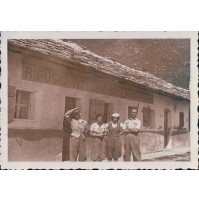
[
  {"x": 70, "y": 103},
  {"x": 96, "y": 107},
  {"x": 167, "y": 127},
  {"x": 108, "y": 111}
]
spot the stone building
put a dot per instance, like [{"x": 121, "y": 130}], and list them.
[{"x": 48, "y": 77}]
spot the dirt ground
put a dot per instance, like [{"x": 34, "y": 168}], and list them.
[{"x": 176, "y": 157}]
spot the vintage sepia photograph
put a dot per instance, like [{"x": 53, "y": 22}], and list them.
[{"x": 101, "y": 102}]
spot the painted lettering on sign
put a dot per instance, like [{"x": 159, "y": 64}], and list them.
[{"x": 71, "y": 80}]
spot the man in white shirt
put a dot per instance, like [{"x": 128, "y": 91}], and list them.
[
  {"x": 77, "y": 138},
  {"x": 131, "y": 140}
]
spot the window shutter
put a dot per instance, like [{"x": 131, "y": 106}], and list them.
[
  {"x": 152, "y": 119},
  {"x": 181, "y": 120},
  {"x": 146, "y": 117},
  {"x": 11, "y": 102}
]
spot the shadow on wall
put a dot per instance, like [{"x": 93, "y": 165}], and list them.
[{"x": 34, "y": 145}]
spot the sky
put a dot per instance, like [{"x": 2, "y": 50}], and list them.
[{"x": 168, "y": 59}]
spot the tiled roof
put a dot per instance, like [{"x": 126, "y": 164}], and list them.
[{"x": 74, "y": 53}]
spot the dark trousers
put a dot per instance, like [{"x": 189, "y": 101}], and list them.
[
  {"x": 77, "y": 149},
  {"x": 97, "y": 152},
  {"x": 132, "y": 144},
  {"x": 113, "y": 148}
]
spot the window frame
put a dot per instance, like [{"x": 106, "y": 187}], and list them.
[
  {"x": 151, "y": 122},
  {"x": 31, "y": 105},
  {"x": 181, "y": 114}
]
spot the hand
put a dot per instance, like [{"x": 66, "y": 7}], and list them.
[
  {"x": 83, "y": 137},
  {"x": 94, "y": 133},
  {"x": 120, "y": 133},
  {"x": 125, "y": 131},
  {"x": 133, "y": 130},
  {"x": 101, "y": 135},
  {"x": 105, "y": 133}
]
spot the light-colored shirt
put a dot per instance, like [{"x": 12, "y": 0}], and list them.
[
  {"x": 114, "y": 125},
  {"x": 132, "y": 123},
  {"x": 98, "y": 129},
  {"x": 78, "y": 127}
]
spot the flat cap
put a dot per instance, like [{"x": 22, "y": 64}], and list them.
[{"x": 115, "y": 115}]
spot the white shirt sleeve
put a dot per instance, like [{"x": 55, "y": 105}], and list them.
[
  {"x": 124, "y": 125},
  {"x": 106, "y": 127},
  {"x": 92, "y": 128},
  {"x": 103, "y": 128},
  {"x": 138, "y": 124}
]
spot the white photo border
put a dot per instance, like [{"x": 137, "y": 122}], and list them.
[{"x": 192, "y": 164}]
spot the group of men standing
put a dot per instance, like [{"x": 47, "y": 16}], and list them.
[{"x": 98, "y": 130}]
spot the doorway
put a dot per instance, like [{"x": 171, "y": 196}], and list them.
[
  {"x": 167, "y": 126},
  {"x": 99, "y": 106},
  {"x": 70, "y": 103},
  {"x": 108, "y": 111}
]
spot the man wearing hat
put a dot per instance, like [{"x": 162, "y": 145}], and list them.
[
  {"x": 131, "y": 140},
  {"x": 113, "y": 143},
  {"x": 77, "y": 138}
]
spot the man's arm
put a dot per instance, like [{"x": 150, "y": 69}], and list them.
[
  {"x": 69, "y": 112},
  {"x": 83, "y": 134},
  {"x": 137, "y": 127},
  {"x": 124, "y": 129},
  {"x": 133, "y": 130}
]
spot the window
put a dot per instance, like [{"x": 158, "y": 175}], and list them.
[
  {"x": 181, "y": 120},
  {"x": 24, "y": 105},
  {"x": 11, "y": 103},
  {"x": 152, "y": 118},
  {"x": 148, "y": 117}
]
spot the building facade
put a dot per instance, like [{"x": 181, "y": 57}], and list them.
[{"x": 48, "y": 77}]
